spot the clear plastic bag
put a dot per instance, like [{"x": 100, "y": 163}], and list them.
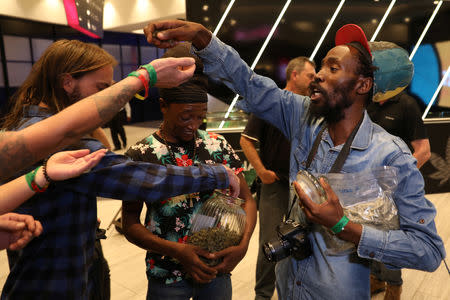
[{"x": 367, "y": 199}]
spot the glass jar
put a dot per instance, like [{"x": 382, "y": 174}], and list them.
[
  {"x": 218, "y": 224},
  {"x": 311, "y": 186}
]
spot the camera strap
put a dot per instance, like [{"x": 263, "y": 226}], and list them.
[{"x": 343, "y": 154}]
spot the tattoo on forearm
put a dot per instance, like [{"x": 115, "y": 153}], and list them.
[
  {"x": 14, "y": 154},
  {"x": 109, "y": 105}
]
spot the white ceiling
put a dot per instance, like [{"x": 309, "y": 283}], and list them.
[{"x": 118, "y": 15}]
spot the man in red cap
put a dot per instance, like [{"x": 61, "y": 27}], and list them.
[{"x": 330, "y": 132}]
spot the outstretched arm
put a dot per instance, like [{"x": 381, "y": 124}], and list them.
[
  {"x": 23, "y": 148},
  {"x": 261, "y": 95},
  {"x": 60, "y": 166}
]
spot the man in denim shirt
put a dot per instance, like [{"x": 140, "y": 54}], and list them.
[{"x": 339, "y": 95}]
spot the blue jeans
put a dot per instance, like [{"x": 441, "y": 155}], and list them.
[{"x": 218, "y": 289}]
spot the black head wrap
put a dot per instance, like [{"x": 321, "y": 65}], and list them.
[{"x": 192, "y": 91}]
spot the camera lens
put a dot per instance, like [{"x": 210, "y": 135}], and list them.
[{"x": 276, "y": 250}]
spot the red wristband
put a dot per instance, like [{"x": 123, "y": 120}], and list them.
[{"x": 144, "y": 82}]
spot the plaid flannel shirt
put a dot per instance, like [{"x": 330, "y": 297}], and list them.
[{"x": 56, "y": 264}]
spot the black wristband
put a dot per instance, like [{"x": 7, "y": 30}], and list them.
[{"x": 44, "y": 170}]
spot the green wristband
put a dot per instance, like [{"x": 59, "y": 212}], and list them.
[
  {"x": 134, "y": 73},
  {"x": 29, "y": 177},
  {"x": 151, "y": 73},
  {"x": 340, "y": 225}
]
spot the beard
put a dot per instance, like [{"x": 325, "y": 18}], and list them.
[{"x": 332, "y": 113}]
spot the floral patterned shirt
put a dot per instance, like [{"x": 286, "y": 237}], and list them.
[{"x": 170, "y": 219}]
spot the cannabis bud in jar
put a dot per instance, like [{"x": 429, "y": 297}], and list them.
[
  {"x": 219, "y": 224},
  {"x": 214, "y": 240}
]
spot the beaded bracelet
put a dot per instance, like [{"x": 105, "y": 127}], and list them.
[
  {"x": 30, "y": 178},
  {"x": 44, "y": 169},
  {"x": 340, "y": 225}
]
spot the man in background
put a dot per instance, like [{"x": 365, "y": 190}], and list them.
[
  {"x": 272, "y": 168},
  {"x": 117, "y": 129},
  {"x": 399, "y": 115}
]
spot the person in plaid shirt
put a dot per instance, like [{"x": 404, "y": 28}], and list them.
[
  {"x": 56, "y": 264},
  {"x": 17, "y": 230},
  {"x": 21, "y": 149},
  {"x": 174, "y": 268}
]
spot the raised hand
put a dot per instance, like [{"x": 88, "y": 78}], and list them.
[
  {"x": 189, "y": 257},
  {"x": 17, "y": 230},
  {"x": 67, "y": 164},
  {"x": 165, "y": 34},
  {"x": 173, "y": 71}
]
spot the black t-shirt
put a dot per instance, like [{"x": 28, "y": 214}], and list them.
[
  {"x": 399, "y": 116},
  {"x": 274, "y": 149}
]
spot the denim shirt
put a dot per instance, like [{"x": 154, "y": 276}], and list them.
[{"x": 415, "y": 245}]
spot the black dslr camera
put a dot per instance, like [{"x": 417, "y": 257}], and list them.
[{"x": 292, "y": 240}]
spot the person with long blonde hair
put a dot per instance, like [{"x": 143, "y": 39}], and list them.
[
  {"x": 67, "y": 72},
  {"x": 20, "y": 149}
]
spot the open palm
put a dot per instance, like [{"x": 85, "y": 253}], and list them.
[{"x": 68, "y": 164}]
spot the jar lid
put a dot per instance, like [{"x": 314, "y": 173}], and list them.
[
  {"x": 230, "y": 200},
  {"x": 311, "y": 186}
]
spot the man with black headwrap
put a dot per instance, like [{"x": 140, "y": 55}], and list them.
[{"x": 174, "y": 268}]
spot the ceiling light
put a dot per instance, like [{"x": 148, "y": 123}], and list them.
[
  {"x": 382, "y": 20},
  {"x": 336, "y": 12},
  {"x": 206, "y": 19},
  {"x": 205, "y": 7},
  {"x": 232, "y": 22},
  {"x": 304, "y": 26},
  {"x": 258, "y": 56},
  {"x": 374, "y": 21},
  {"x": 407, "y": 19},
  {"x": 436, "y": 93},
  {"x": 425, "y": 30},
  {"x": 227, "y": 10}
]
